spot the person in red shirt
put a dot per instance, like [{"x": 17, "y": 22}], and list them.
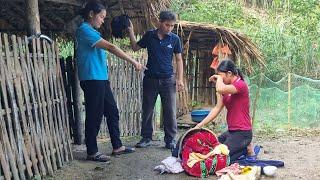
[{"x": 233, "y": 93}]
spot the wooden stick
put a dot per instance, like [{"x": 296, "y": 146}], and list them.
[
  {"x": 4, "y": 162},
  {"x": 29, "y": 115},
  {"x": 63, "y": 119},
  {"x": 18, "y": 152},
  {"x": 6, "y": 107},
  {"x": 66, "y": 75},
  {"x": 27, "y": 67},
  {"x": 25, "y": 138},
  {"x": 4, "y": 136},
  {"x": 63, "y": 106},
  {"x": 53, "y": 120},
  {"x": 77, "y": 105},
  {"x": 48, "y": 111},
  {"x": 5, "y": 140},
  {"x": 39, "y": 124},
  {"x": 46, "y": 132},
  {"x": 289, "y": 96}
]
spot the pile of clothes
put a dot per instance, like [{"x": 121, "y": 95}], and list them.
[{"x": 199, "y": 154}]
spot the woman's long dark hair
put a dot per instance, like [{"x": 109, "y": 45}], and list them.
[
  {"x": 95, "y": 6},
  {"x": 228, "y": 65}
]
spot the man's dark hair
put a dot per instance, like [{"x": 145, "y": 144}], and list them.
[{"x": 167, "y": 16}]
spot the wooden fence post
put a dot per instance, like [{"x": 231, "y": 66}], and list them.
[
  {"x": 256, "y": 100},
  {"x": 33, "y": 17},
  {"x": 77, "y": 104},
  {"x": 289, "y": 98}
]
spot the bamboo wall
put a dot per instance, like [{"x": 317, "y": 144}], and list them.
[
  {"x": 198, "y": 71},
  {"x": 183, "y": 103},
  {"x": 126, "y": 85},
  {"x": 34, "y": 129}
]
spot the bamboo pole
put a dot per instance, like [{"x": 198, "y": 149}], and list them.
[
  {"x": 48, "y": 111},
  {"x": 256, "y": 99},
  {"x": 63, "y": 103},
  {"x": 12, "y": 163},
  {"x": 66, "y": 76},
  {"x": 59, "y": 110},
  {"x": 23, "y": 68},
  {"x": 33, "y": 123},
  {"x": 18, "y": 150},
  {"x": 4, "y": 134},
  {"x": 289, "y": 94},
  {"x": 25, "y": 138},
  {"x": 46, "y": 132},
  {"x": 28, "y": 132},
  {"x": 4, "y": 162},
  {"x": 40, "y": 124},
  {"x": 53, "y": 116},
  {"x": 289, "y": 99}
]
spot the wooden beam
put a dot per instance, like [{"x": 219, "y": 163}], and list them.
[
  {"x": 70, "y": 2},
  {"x": 33, "y": 17}
]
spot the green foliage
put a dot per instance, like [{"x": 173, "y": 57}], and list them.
[
  {"x": 274, "y": 107},
  {"x": 286, "y": 31},
  {"x": 66, "y": 48},
  {"x": 196, "y": 104},
  {"x": 124, "y": 44}
]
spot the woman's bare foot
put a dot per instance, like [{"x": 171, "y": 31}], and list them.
[{"x": 250, "y": 150}]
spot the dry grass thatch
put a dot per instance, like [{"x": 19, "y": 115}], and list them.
[
  {"x": 203, "y": 36},
  {"x": 62, "y": 16}
]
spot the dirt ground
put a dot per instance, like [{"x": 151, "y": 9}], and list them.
[{"x": 299, "y": 150}]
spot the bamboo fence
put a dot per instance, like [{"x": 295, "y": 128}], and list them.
[
  {"x": 34, "y": 129},
  {"x": 126, "y": 85}
]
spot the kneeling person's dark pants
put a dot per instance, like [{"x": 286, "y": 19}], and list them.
[
  {"x": 99, "y": 101},
  {"x": 237, "y": 142}
]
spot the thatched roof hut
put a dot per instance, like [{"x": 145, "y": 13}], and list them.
[
  {"x": 61, "y": 16},
  {"x": 203, "y": 37},
  {"x": 199, "y": 39}
]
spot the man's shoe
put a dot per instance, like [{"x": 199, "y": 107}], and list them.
[
  {"x": 171, "y": 145},
  {"x": 143, "y": 143}
]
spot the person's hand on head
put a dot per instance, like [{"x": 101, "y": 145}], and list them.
[{"x": 214, "y": 78}]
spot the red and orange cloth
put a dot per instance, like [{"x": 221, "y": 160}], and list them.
[
  {"x": 219, "y": 52},
  {"x": 202, "y": 154}
]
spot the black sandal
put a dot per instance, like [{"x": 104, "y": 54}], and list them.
[{"x": 99, "y": 157}]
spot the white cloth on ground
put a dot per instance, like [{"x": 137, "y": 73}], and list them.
[{"x": 170, "y": 165}]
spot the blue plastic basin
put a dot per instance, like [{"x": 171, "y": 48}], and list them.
[{"x": 199, "y": 115}]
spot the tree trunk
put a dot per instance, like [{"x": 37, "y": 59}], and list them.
[{"x": 33, "y": 17}]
